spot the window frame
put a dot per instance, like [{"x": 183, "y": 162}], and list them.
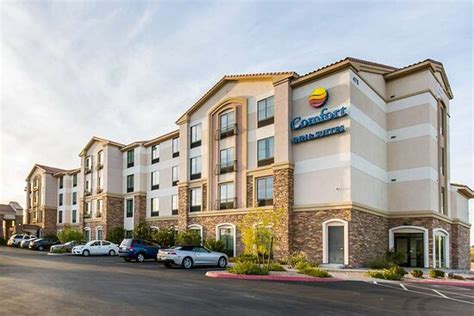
[
  {"x": 193, "y": 204},
  {"x": 175, "y": 147},
  {"x": 230, "y": 128},
  {"x": 196, "y": 175},
  {"x": 174, "y": 181},
  {"x": 228, "y": 202},
  {"x": 263, "y": 105},
  {"x": 196, "y": 132},
  {"x": 155, "y": 175},
  {"x": 155, "y": 154},
  {"x": 174, "y": 211},
  {"x": 129, "y": 212},
  {"x": 229, "y": 166},
  {"x": 154, "y": 213},
  {"x": 130, "y": 158},
  {"x": 264, "y": 201},
  {"x": 132, "y": 187},
  {"x": 269, "y": 144},
  {"x": 60, "y": 199}
]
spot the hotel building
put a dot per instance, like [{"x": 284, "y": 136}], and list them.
[{"x": 355, "y": 153}]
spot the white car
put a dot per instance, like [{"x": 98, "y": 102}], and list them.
[{"x": 96, "y": 247}]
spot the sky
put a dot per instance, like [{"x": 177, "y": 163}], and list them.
[{"x": 126, "y": 70}]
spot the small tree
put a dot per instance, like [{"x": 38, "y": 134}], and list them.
[
  {"x": 143, "y": 231},
  {"x": 258, "y": 232},
  {"x": 70, "y": 234},
  {"x": 164, "y": 237},
  {"x": 116, "y": 235},
  {"x": 189, "y": 238},
  {"x": 215, "y": 245}
]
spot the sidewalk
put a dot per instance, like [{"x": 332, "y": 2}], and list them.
[{"x": 288, "y": 276}]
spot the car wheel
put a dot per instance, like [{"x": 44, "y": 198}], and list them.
[
  {"x": 222, "y": 262},
  {"x": 112, "y": 253},
  {"x": 40, "y": 248},
  {"x": 140, "y": 257},
  {"x": 167, "y": 265},
  {"x": 187, "y": 263},
  {"x": 86, "y": 253}
]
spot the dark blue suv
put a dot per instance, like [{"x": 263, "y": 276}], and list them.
[{"x": 138, "y": 249}]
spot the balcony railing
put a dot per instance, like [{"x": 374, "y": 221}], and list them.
[
  {"x": 226, "y": 131},
  {"x": 265, "y": 162},
  {"x": 87, "y": 170},
  {"x": 264, "y": 202},
  {"x": 98, "y": 214},
  {"x": 87, "y": 193},
  {"x": 227, "y": 167},
  {"x": 226, "y": 204},
  {"x": 99, "y": 166},
  {"x": 98, "y": 190},
  {"x": 87, "y": 215},
  {"x": 195, "y": 208}
]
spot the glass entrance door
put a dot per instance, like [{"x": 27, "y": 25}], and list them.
[
  {"x": 336, "y": 244},
  {"x": 410, "y": 245}
]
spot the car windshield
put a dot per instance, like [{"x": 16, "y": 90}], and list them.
[
  {"x": 39, "y": 239},
  {"x": 126, "y": 243}
]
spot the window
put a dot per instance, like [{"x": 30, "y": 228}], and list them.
[
  {"x": 226, "y": 233},
  {"x": 99, "y": 205},
  {"x": 60, "y": 199},
  {"x": 442, "y": 121},
  {"x": 87, "y": 234},
  {"x": 265, "y": 191},
  {"x": 130, "y": 158},
  {"x": 174, "y": 175},
  {"x": 440, "y": 248},
  {"x": 100, "y": 182},
  {"x": 88, "y": 164},
  {"x": 175, "y": 147},
  {"x": 74, "y": 198},
  {"x": 227, "y": 125},
  {"x": 196, "y": 168},
  {"x": 60, "y": 217},
  {"x": 265, "y": 112},
  {"x": 87, "y": 210},
  {"x": 174, "y": 204},
  {"x": 155, "y": 180},
  {"x": 443, "y": 161},
  {"x": 100, "y": 235},
  {"x": 195, "y": 199},
  {"x": 265, "y": 151},
  {"x": 100, "y": 159},
  {"x": 61, "y": 182},
  {"x": 155, "y": 206},
  {"x": 129, "y": 208},
  {"x": 155, "y": 154},
  {"x": 74, "y": 180},
  {"x": 74, "y": 216},
  {"x": 87, "y": 185},
  {"x": 226, "y": 159},
  {"x": 443, "y": 201},
  {"x": 196, "y": 135},
  {"x": 226, "y": 196},
  {"x": 130, "y": 183}
]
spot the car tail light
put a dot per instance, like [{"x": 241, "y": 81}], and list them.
[
  {"x": 131, "y": 248},
  {"x": 172, "y": 253}
]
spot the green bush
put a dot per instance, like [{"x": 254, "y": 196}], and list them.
[
  {"x": 315, "y": 272},
  {"x": 60, "y": 250},
  {"x": 295, "y": 258},
  {"x": 3, "y": 242},
  {"x": 215, "y": 245},
  {"x": 248, "y": 268},
  {"x": 116, "y": 235},
  {"x": 276, "y": 267},
  {"x": 436, "y": 273},
  {"x": 188, "y": 238},
  {"x": 417, "y": 273},
  {"x": 143, "y": 231},
  {"x": 70, "y": 234},
  {"x": 378, "y": 263},
  {"x": 393, "y": 273},
  {"x": 164, "y": 237},
  {"x": 304, "y": 264},
  {"x": 390, "y": 259},
  {"x": 245, "y": 257}
]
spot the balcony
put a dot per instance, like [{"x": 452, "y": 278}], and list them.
[
  {"x": 87, "y": 170},
  {"x": 155, "y": 186},
  {"x": 265, "y": 122},
  {"x": 195, "y": 176},
  {"x": 98, "y": 190},
  {"x": 265, "y": 162},
  {"x": 155, "y": 160},
  {"x": 130, "y": 189},
  {"x": 196, "y": 144},
  {"x": 87, "y": 193},
  {"x": 226, "y": 131},
  {"x": 226, "y": 167},
  {"x": 99, "y": 166},
  {"x": 226, "y": 204}
]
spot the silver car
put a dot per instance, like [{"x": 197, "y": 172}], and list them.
[{"x": 189, "y": 256}]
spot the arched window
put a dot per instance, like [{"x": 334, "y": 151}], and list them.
[
  {"x": 412, "y": 243},
  {"x": 99, "y": 233},
  {"x": 87, "y": 234},
  {"x": 336, "y": 241},
  {"x": 196, "y": 228},
  {"x": 440, "y": 248},
  {"x": 226, "y": 233}
]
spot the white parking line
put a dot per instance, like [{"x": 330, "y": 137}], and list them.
[
  {"x": 440, "y": 294},
  {"x": 445, "y": 291},
  {"x": 403, "y": 287}
]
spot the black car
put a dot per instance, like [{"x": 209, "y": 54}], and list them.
[
  {"x": 42, "y": 244},
  {"x": 138, "y": 249}
]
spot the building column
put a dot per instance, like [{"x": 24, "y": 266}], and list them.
[
  {"x": 139, "y": 214},
  {"x": 460, "y": 249},
  {"x": 183, "y": 206},
  {"x": 112, "y": 213},
  {"x": 283, "y": 195}
]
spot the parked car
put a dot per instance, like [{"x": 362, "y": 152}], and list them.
[
  {"x": 96, "y": 247},
  {"x": 25, "y": 243},
  {"x": 42, "y": 244},
  {"x": 17, "y": 238},
  {"x": 189, "y": 256},
  {"x": 138, "y": 249},
  {"x": 67, "y": 247}
]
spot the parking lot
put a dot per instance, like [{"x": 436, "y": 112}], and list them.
[{"x": 32, "y": 282}]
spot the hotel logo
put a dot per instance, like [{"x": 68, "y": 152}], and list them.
[{"x": 318, "y": 97}]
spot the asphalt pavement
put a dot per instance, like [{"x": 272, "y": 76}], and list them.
[{"x": 32, "y": 283}]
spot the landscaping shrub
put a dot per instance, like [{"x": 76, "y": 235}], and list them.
[
  {"x": 417, "y": 273},
  {"x": 436, "y": 273},
  {"x": 248, "y": 268},
  {"x": 52, "y": 237},
  {"x": 276, "y": 267},
  {"x": 70, "y": 234},
  {"x": 315, "y": 272},
  {"x": 245, "y": 257},
  {"x": 455, "y": 276},
  {"x": 61, "y": 250},
  {"x": 3, "y": 242},
  {"x": 378, "y": 263},
  {"x": 215, "y": 245},
  {"x": 390, "y": 259},
  {"x": 164, "y": 237},
  {"x": 188, "y": 238},
  {"x": 296, "y": 257},
  {"x": 116, "y": 235},
  {"x": 143, "y": 231},
  {"x": 393, "y": 273},
  {"x": 304, "y": 264}
]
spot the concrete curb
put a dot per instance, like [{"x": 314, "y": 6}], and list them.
[
  {"x": 226, "y": 275},
  {"x": 59, "y": 254},
  {"x": 441, "y": 282}
]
